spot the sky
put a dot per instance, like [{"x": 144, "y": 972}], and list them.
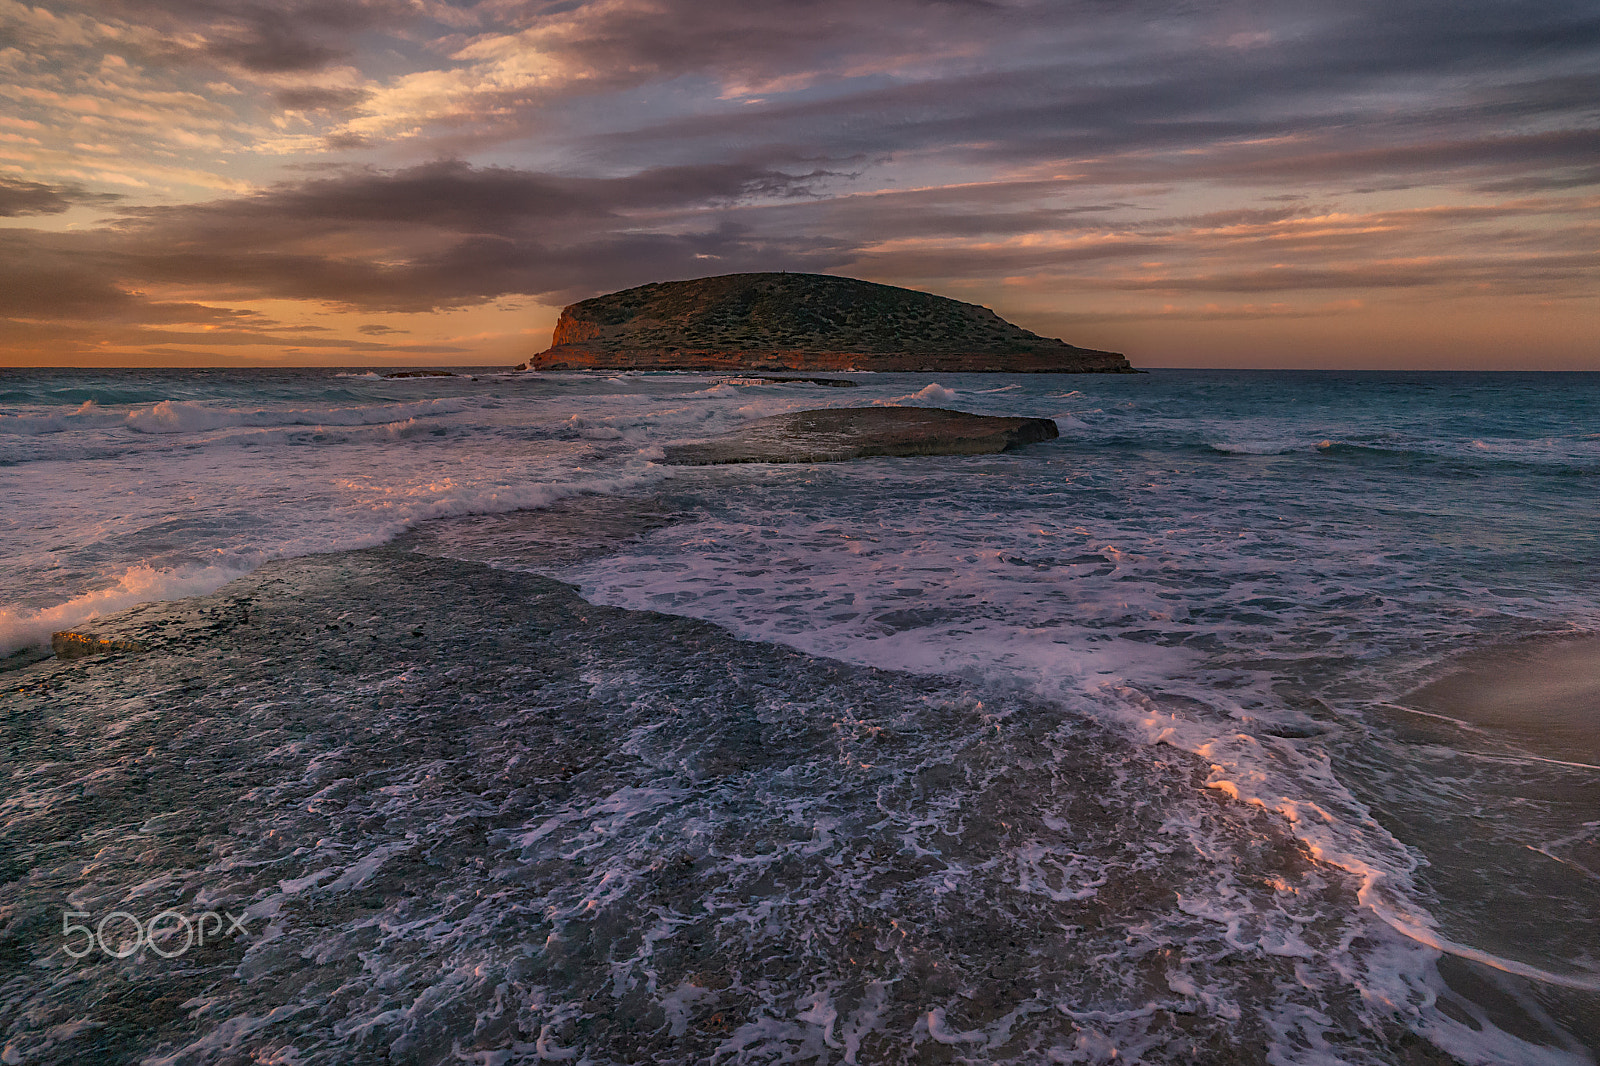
[{"x": 1244, "y": 183}]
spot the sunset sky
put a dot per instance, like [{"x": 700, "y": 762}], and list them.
[{"x": 388, "y": 182}]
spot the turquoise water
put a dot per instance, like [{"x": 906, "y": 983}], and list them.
[{"x": 1253, "y": 567}]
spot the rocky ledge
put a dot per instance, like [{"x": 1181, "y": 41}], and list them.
[
  {"x": 801, "y": 322},
  {"x": 835, "y": 434}
]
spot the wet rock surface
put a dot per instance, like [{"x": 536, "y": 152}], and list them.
[
  {"x": 836, "y": 434},
  {"x": 465, "y": 815},
  {"x": 73, "y": 645}
]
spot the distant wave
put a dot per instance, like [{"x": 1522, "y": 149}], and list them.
[
  {"x": 177, "y": 416},
  {"x": 934, "y": 393},
  {"x": 1562, "y": 456},
  {"x": 1260, "y": 447}
]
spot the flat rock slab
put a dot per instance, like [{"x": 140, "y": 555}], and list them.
[{"x": 835, "y": 434}]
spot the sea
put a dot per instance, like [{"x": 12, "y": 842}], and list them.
[{"x": 1251, "y": 720}]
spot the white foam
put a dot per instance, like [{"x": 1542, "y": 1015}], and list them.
[
  {"x": 1043, "y": 593},
  {"x": 1141, "y": 600},
  {"x": 367, "y": 513},
  {"x": 1424, "y": 934},
  {"x": 22, "y": 628},
  {"x": 929, "y": 394}
]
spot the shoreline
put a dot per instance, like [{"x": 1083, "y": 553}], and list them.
[
  {"x": 401, "y": 767},
  {"x": 1118, "y": 558}
]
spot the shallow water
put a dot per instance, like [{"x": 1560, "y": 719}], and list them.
[
  {"x": 1248, "y": 571},
  {"x": 1542, "y": 696},
  {"x": 462, "y": 814}
]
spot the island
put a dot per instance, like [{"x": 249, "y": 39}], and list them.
[{"x": 801, "y": 322}]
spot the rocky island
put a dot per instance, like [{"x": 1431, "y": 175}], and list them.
[{"x": 777, "y": 321}]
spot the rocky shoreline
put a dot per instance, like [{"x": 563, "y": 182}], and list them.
[
  {"x": 591, "y": 357},
  {"x": 460, "y": 811}
]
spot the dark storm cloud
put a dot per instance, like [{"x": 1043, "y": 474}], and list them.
[
  {"x": 473, "y": 269},
  {"x": 36, "y": 198},
  {"x": 449, "y": 235},
  {"x": 1370, "y": 79},
  {"x": 439, "y": 235},
  {"x": 1147, "y": 134},
  {"x": 1579, "y": 178},
  {"x": 90, "y": 340},
  {"x": 63, "y": 276},
  {"x": 455, "y": 196},
  {"x": 73, "y": 293},
  {"x": 1356, "y": 39},
  {"x": 766, "y": 39},
  {"x": 989, "y": 209}
]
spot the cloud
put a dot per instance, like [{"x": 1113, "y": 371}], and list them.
[
  {"x": 1054, "y": 157},
  {"x": 449, "y": 235},
  {"x": 36, "y": 198},
  {"x": 1493, "y": 250},
  {"x": 456, "y": 196},
  {"x": 315, "y": 98},
  {"x": 434, "y": 236},
  {"x": 262, "y": 36},
  {"x": 1577, "y": 178},
  {"x": 1531, "y": 273},
  {"x": 1358, "y": 92},
  {"x": 530, "y": 55}
]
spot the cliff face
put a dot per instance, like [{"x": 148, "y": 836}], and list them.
[{"x": 800, "y": 322}]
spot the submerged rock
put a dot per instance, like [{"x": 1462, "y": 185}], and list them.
[
  {"x": 837, "y": 433},
  {"x": 71, "y": 645},
  {"x": 839, "y": 383},
  {"x": 801, "y": 322}
]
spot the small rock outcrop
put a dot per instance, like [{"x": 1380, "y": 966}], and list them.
[
  {"x": 801, "y": 322},
  {"x": 835, "y": 434},
  {"x": 838, "y": 383}
]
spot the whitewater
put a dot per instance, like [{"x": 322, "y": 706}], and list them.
[{"x": 1252, "y": 571}]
